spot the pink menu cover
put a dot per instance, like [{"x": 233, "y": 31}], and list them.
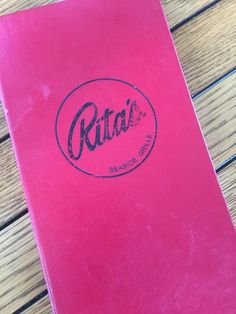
[{"x": 124, "y": 201}]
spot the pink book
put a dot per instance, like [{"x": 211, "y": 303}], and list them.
[{"x": 124, "y": 201}]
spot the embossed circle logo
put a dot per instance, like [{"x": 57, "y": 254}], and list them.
[{"x": 106, "y": 127}]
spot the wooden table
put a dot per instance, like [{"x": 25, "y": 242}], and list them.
[{"x": 204, "y": 32}]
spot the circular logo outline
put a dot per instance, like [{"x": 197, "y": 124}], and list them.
[{"x": 92, "y": 81}]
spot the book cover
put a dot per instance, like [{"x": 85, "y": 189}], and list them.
[{"x": 124, "y": 201}]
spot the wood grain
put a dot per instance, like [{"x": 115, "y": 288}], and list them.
[
  {"x": 41, "y": 307},
  {"x": 3, "y": 123},
  {"x": 11, "y": 192},
  {"x": 207, "y": 45},
  {"x": 178, "y": 10},
  {"x": 227, "y": 179},
  {"x": 216, "y": 111},
  {"x": 21, "y": 277},
  {"x": 11, "y": 6}
]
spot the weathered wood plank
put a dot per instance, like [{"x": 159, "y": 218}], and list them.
[
  {"x": 41, "y": 307},
  {"x": 10, "y": 6},
  {"x": 3, "y": 123},
  {"x": 178, "y": 10},
  {"x": 227, "y": 179},
  {"x": 217, "y": 114},
  {"x": 207, "y": 46},
  {"x": 216, "y": 111},
  {"x": 11, "y": 192},
  {"x": 21, "y": 278}
]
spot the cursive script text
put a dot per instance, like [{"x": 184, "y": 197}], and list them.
[{"x": 99, "y": 130}]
